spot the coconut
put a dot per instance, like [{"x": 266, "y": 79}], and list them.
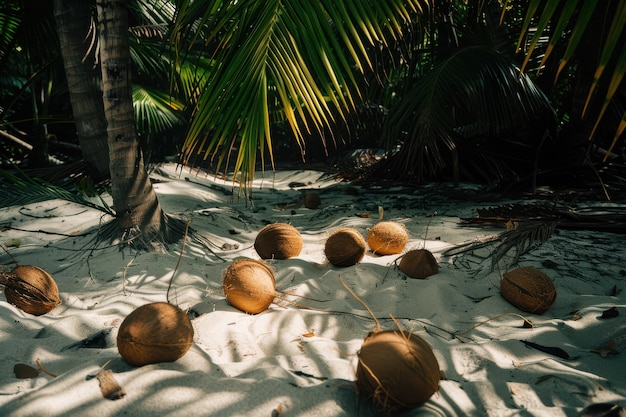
[
  {"x": 345, "y": 247},
  {"x": 528, "y": 289},
  {"x": 278, "y": 241},
  {"x": 396, "y": 370},
  {"x": 418, "y": 263},
  {"x": 31, "y": 289},
  {"x": 249, "y": 285},
  {"x": 387, "y": 238},
  {"x": 153, "y": 333},
  {"x": 312, "y": 200}
]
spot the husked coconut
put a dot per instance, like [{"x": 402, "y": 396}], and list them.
[
  {"x": 345, "y": 247},
  {"x": 249, "y": 285},
  {"x": 387, "y": 238},
  {"x": 31, "y": 289},
  {"x": 312, "y": 200},
  {"x": 528, "y": 289},
  {"x": 153, "y": 333},
  {"x": 278, "y": 241},
  {"x": 396, "y": 370},
  {"x": 418, "y": 263}
]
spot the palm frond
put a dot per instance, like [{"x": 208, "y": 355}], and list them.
[
  {"x": 614, "y": 85},
  {"x": 529, "y": 225},
  {"x": 10, "y": 19},
  {"x": 147, "y": 55},
  {"x": 618, "y": 134},
  {"x": 155, "y": 110},
  {"x": 277, "y": 60},
  {"x": 191, "y": 76},
  {"x": 37, "y": 34},
  {"x": 526, "y": 237},
  {"x": 572, "y": 20},
  {"x": 149, "y": 31},
  {"x": 153, "y": 12},
  {"x": 476, "y": 91},
  {"x": 19, "y": 188}
]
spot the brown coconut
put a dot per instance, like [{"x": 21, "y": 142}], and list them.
[
  {"x": 387, "y": 238},
  {"x": 396, "y": 370},
  {"x": 345, "y": 247},
  {"x": 312, "y": 200},
  {"x": 278, "y": 241},
  {"x": 31, "y": 289},
  {"x": 249, "y": 285},
  {"x": 528, "y": 289},
  {"x": 153, "y": 333},
  {"x": 418, "y": 263}
]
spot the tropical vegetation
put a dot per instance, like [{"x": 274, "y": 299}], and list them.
[{"x": 498, "y": 91}]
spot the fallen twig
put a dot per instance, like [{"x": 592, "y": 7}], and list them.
[{"x": 44, "y": 370}]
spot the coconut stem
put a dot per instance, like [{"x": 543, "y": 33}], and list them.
[
  {"x": 4, "y": 248},
  {"x": 297, "y": 304},
  {"x": 124, "y": 275},
  {"x": 430, "y": 219},
  {"x": 105, "y": 364},
  {"x": 302, "y": 296},
  {"x": 493, "y": 318},
  {"x": 362, "y": 303},
  {"x": 389, "y": 269},
  {"x": 44, "y": 370},
  {"x": 397, "y": 323}
]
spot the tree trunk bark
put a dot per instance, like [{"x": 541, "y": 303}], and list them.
[
  {"x": 74, "y": 24},
  {"x": 134, "y": 200}
]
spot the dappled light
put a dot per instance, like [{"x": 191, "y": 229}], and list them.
[
  {"x": 299, "y": 356},
  {"x": 222, "y": 208}
]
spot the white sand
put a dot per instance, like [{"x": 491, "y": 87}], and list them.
[{"x": 294, "y": 361}]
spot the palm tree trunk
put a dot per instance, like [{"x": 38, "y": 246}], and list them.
[
  {"x": 134, "y": 199},
  {"x": 73, "y": 19}
]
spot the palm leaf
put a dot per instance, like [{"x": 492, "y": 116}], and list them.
[
  {"x": 146, "y": 52},
  {"x": 10, "y": 19},
  {"x": 564, "y": 18},
  {"x": 155, "y": 110},
  {"x": 614, "y": 85},
  {"x": 190, "y": 77},
  {"x": 19, "y": 188},
  {"x": 614, "y": 36},
  {"x": 526, "y": 237},
  {"x": 530, "y": 225},
  {"x": 541, "y": 26},
  {"x": 279, "y": 60},
  {"x": 573, "y": 23},
  {"x": 153, "y": 12},
  {"x": 476, "y": 91},
  {"x": 618, "y": 134}
]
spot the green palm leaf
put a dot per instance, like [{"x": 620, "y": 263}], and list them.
[
  {"x": 10, "y": 20},
  {"x": 190, "y": 77},
  {"x": 147, "y": 53},
  {"x": 574, "y": 24},
  {"x": 153, "y": 12},
  {"x": 155, "y": 110},
  {"x": 279, "y": 60},
  {"x": 475, "y": 91}
]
